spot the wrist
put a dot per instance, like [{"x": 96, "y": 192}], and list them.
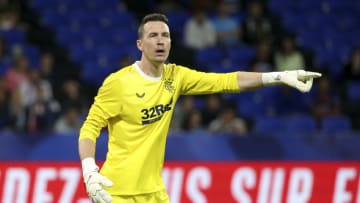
[
  {"x": 88, "y": 165},
  {"x": 271, "y": 78}
]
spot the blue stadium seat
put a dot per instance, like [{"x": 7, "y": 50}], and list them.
[
  {"x": 110, "y": 55},
  {"x": 329, "y": 58},
  {"x": 13, "y": 37},
  {"x": 268, "y": 125},
  {"x": 217, "y": 67},
  {"x": 335, "y": 124},
  {"x": 121, "y": 36},
  {"x": 335, "y": 6},
  {"x": 67, "y": 36},
  {"x": 300, "y": 124},
  {"x": 117, "y": 19},
  {"x": 94, "y": 73},
  {"x": 41, "y": 5},
  {"x": 177, "y": 22},
  {"x": 3, "y": 68},
  {"x": 294, "y": 21},
  {"x": 73, "y": 4},
  {"x": 254, "y": 104},
  {"x": 206, "y": 56},
  {"x": 249, "y": 109},
  {"x": 82, "y": 18},
  {"x": 99, "y": 5},
  {"x": 309, "y": 5},
  {"x": 308, "y": 38},
  {"x": 54, "y": 19},
  {"x": 95, "y": 35},
  {"x": 280, "y": 6},
  {"x": 132, "y": 51},
  {"x": 224, "y": 68},
  {"x": 353, "y": 91},
  {"x": 345, "y": 21},
  {"x": 81, "y": 53},
  {"x": 241, "y": 55},
  {"x": 315, "y": 20},
  {"x": 33, "y": 54}
]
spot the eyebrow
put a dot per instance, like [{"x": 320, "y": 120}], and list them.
[{"x": 156, "y": 33}]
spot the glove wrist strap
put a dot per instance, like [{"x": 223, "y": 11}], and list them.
[
  {"x": 88, "y": 165},
  {"x": 271, "y": 78}
]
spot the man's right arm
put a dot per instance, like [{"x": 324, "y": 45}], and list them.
[
  {"x": 86, "y": 148},
  {"x": 94, "y": 181},
  {"x": 105, "y": 106}
]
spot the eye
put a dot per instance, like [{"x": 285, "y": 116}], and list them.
[
  {"x": 152, "y": 34},
  {"x": 166, "y": 34}
]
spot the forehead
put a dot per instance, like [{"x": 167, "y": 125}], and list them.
[{"x": 155, "y": 26}]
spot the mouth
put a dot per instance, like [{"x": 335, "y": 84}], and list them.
[{"x": 160, "y": 51}]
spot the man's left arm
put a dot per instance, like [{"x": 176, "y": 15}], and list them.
[
  {"x": 299, "y": 79},
  {"x": 194, "y": 82}
]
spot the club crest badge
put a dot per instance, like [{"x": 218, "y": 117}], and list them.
[{"x": 168, "y": 83}]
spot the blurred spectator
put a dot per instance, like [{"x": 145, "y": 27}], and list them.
[
  {"x": 263, "y": 60},
  {"x": 199, "y": 31},
  {"x": 200, "y": 4},
  {"x": 15, "y": 75},
  {"x": 227, "y": 28},
  {"x": 288, "y": 57},
  {"x": 234, "y": 5},
  {"x": 5, "y": 117},
  {"x": 325, "y": 101},
  {"x": 49, "y": 72},
  {"x": 46, "y": 65},
  {"x": 183, "y": 107},
  {"x": 211, "y": 108},
  {"x": 10, "y": 20},
  {"x": 17, "y": 112},
  {"x": 140, "y": 7},
  {"x": 352, "y": 67},
  {"x": 192, "y": 122},
  {"x": 69, "y": 121},
  {"x": 228, "y": 122},
  {"x": 351, "y": 76},
  {"x": 5, "y": 56},
  {"x": 71, "y": 95},
  {"x": 41, "y": 114},
  {"x": 167, "y": 6},
  {"x": 257, "y": 26},
  {"x": 28, "y": 88},
  {"x": 125, "y": 61},
  {"x": 3, "y": 3}
]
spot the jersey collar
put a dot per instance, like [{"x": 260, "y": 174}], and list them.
[{"x": 141, "y": 72}]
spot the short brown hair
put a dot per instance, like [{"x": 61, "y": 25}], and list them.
[{"x": 151, "y": 17}]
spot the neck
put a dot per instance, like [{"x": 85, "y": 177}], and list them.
[{"x": 151, "y": 69}]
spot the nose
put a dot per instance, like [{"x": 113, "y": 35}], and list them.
[{"x": 160, "y": 41}]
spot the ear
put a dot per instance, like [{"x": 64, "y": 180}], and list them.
[{"x": 139, "y": 44}]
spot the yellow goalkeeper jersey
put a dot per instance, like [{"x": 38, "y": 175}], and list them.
[{"x": 137, "y": 110}]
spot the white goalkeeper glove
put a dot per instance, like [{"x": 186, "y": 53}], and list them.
[
  {"x": 94, "y": 182},
  {"x": 299, "y": 79}
]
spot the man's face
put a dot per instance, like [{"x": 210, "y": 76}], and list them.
[{"x": 155, "y": 43}]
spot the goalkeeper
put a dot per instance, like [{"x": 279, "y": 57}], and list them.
[{"x": 136, "y": 104}]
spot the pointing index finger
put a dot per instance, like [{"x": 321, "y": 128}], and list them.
[{"x": 308, "y": 75}]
